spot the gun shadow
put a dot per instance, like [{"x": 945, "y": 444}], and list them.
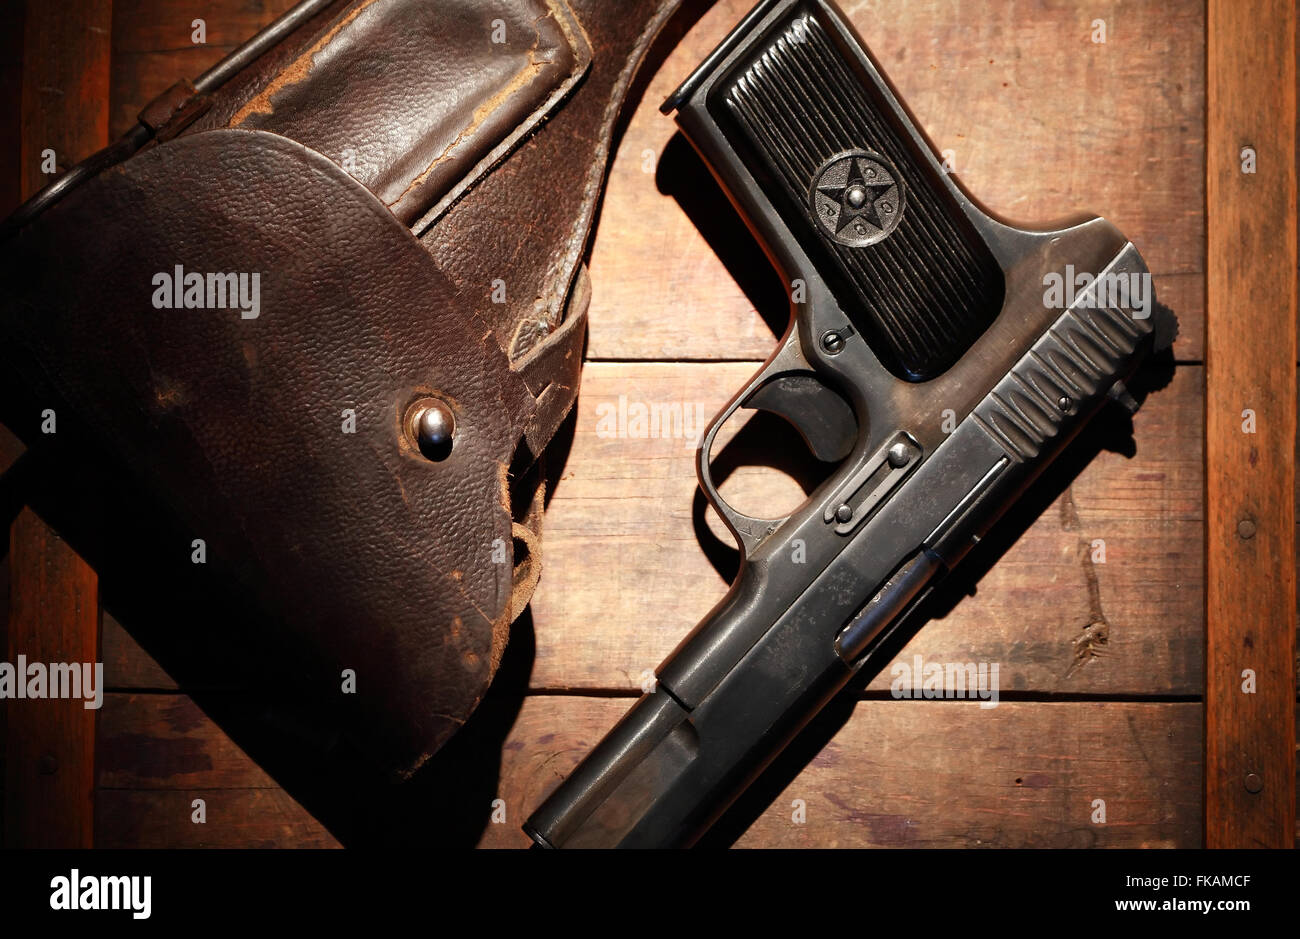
[{"x": 768, "y": 441}]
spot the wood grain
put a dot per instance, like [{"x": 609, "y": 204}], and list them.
[
  {"x": 146, "y": 26},
  {"x": 50, "y": 743},
  {"x": 53, "y": 593},
  {"x": 935, "y": 774},
  {"x": 157, "y": 754},
  {"x": 65, "y": 85},
  {"x": 898, "y": 774},
  {"x": 1043, "y": 122},
  {"x": 235, "y": 818},
  {"x": 12, "y": 16},
  {"x": 1250, "y": 797},
  {"x": 153, "y": 741}
]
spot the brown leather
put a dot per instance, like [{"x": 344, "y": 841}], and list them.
[
  {"x": 241, "y": 420},
  {"x": 473, "y": 79},
  {"x": 360, "y": 553},
  {"x": 566, "y": 160}
]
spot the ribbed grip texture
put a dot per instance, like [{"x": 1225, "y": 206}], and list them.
[{"x": 925, "y": 293}]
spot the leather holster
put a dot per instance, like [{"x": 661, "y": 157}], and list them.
[{"x": 414, "y": 184}]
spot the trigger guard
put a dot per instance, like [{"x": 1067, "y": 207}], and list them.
[{"x": 749, "y": 531}]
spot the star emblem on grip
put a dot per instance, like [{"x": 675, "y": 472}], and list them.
[{"x": 857, "y": 198}]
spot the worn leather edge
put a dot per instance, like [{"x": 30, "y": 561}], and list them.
[
  {"x": 296, "y": 70},
  {"x": 552, "y": 371},
  {"x": 581, "y": 47},
  {"x": 559, "y": 279},
  {"x": 407, "y": 206}
]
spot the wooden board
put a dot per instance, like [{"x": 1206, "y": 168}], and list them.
[
  {"x": 1250, "y": 794},
  {"x": 50, "y": 743},
  {"x": 65, "y": 85},
  {"x": 937, "y": 774},
  {"x": 160, "y": 753},
  {"x": 897, "y": 774},
  {"x": 53, "y": 593},
  {"x": 232, "y": 818}
]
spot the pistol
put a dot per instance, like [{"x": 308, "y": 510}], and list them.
[{"x": 940, "y": 357}]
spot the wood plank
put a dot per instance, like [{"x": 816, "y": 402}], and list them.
[
  {"x": 624, "y": 508},
  {"x": 933, "y": 774},
  {"x": 161, "y": 25},
  {"x": 627, "y": 571},
  {"x": 164, "y": 741},
  {"x": 65, "y": 85},
  {"x": 1250, "y": 798},
  {"x": 896, "y": 773},
  {"x": 50, "y": 743},
  {"x": 1118, "y": 131},
  {"x": 235, "y": 818},
  {"x": 54, "y": 598},
  {"x": 12, "y": 16}
]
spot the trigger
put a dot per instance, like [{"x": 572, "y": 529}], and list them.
[{"x": 824, "y": 420}]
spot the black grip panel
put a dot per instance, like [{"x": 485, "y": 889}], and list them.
[{"x": 905, "y": 264}]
